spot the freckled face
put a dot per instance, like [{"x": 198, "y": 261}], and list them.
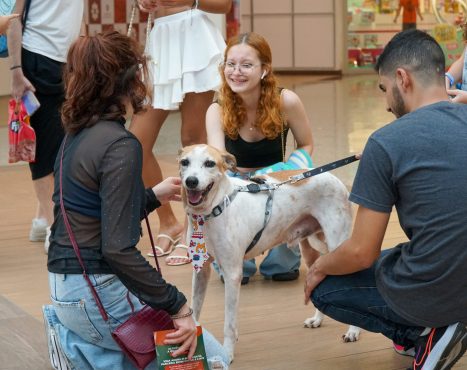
[{"x": 243, "y": 68}]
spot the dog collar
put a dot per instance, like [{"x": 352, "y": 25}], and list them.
[{"x": 217, "y": 210}]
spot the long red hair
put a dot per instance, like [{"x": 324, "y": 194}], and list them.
[{"x": 268, "y": 114}]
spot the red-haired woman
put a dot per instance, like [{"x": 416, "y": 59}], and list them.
[{"x": 251, "y": 120}]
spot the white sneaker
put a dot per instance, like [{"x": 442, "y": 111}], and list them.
[
  {"x": 47, "y": 241},
  {"x": 57, "y": 357},
  {"x": 38, "y": 230}
]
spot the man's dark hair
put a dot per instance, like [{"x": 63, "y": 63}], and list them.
[{"x": 415, "y": 51}]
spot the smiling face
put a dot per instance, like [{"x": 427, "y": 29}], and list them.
[
  {"x": 201, "y": 168},
  {"x": 243, "y": 68}
]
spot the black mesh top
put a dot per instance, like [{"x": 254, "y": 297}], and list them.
[{"x": 102, "y": 170}]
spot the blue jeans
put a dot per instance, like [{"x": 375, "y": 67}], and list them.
[
  {"x": 280, "y": 259},
  {"x": 84, "y": 335},
  {"x": 355, "y": 300}
]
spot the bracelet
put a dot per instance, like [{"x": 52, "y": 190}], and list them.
[
  {"x": 15, "y": 67},
  {"x": 450, "y": 78},
  {"x": 195, "y": 4},
  {"x": 177, "y": 316}
]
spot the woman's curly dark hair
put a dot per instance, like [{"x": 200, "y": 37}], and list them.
[{"x": 102, "y": 74}]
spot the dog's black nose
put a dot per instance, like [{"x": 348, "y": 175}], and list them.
[{"x": 191, "y": 182}]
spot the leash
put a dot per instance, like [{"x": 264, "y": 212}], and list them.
[{"x": 258, "y": 187}]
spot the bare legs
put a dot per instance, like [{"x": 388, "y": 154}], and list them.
[
  {"x": 43, "y": 188},
  {"x": 146, "y": 127}
]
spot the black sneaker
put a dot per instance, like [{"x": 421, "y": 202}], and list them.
[
  {"x": 440, "y": 348},
  {"x": 286, "y": 276}
]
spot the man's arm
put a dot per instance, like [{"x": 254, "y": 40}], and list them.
[{"x": 357, "y": 253}]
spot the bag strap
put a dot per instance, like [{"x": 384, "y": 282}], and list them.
[
  {"x": 24, "y": 17},
  {"x": 132, "y": 19},
  {"x": 76, "y": 248}
]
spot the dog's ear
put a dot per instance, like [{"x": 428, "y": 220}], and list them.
[{"x": 230, "y": 163}]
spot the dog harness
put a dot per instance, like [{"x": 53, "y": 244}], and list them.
[{"x": 197, "y": 250}]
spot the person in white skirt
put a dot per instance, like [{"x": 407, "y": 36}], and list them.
[{"x": 186, "y": 49}]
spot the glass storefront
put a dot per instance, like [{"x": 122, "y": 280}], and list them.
[{"x": 371, "y": 25}]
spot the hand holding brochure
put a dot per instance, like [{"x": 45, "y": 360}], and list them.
[{"x": 164, "y": 358}]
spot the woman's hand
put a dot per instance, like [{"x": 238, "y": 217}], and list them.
[
  {"x": 148, "y": 6},
  {"x": 185, "y": 334},
  {"x": 168, "y": 190},
  {"x": 5, "y": 21},
  {"x": 458, "y": 96}
]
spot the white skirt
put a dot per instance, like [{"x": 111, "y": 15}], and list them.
[{"x": 185, "y": 51}]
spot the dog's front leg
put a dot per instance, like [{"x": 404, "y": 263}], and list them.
[
  {"x": 232, "y": 279},
  {"x": 199, "y": 287}
]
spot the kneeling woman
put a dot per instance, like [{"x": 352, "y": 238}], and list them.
[{"x": 105, "y": 199}]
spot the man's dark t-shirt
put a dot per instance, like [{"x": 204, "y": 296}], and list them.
[{"x": 418, "y": 164}]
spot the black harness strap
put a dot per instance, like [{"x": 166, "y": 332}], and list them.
[{"x": 267, "y": 216}]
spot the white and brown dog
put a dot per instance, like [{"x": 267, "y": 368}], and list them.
[{"x": 316, "y": 209}]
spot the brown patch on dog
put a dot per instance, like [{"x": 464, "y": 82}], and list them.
[
  {"x": 284, "y": 175},
  {"x": 225, "y": 161}
]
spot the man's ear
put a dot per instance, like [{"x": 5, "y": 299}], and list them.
[
  {"x": 230, "y": 162},
  {"x": 404, "y": 79}
]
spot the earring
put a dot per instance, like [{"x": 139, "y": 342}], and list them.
[{"x": 264, "y": 74}]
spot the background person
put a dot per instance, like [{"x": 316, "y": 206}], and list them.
[
  {"x": 105, "y": 200},
  {"x": 251, "y": 121},
  {"x": 410, "y": 9},
  {"x": 5, "y": 22},
  {"x": 457, "y": 74},
  {"x": 186, "y": 49},
  {"x": 417, "y": 164},
  {"x": 37, "y": 55}
]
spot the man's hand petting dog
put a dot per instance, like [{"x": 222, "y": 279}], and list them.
[
  {"x": 168, "y": 190},
  {"x": 313, "y": 278}
]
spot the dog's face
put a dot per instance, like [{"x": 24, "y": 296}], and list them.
[{"x": 201, "y": 168}]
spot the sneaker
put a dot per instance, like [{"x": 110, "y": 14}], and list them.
[
  {"x": 38, "y": 230},
  {"x": 57, "y": 357},
  {"x": 47, "y": 241},
  {"x": 440, "y": 348},
  {"x": 286, "y": 276},
  {"x": 404, "y": 351}
]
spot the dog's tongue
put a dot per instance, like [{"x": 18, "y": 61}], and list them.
[{"x": 194, "y": 196}]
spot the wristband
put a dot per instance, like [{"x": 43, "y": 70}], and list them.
[
  {"x": 15, "y": 67},
  {"x": 177, "y": 316},
  {"x": 450, "y": 78}
]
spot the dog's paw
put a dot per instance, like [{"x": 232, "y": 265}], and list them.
[
  {"x": 312, "y": 322},
  {"x": 352, "y": 334}
]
